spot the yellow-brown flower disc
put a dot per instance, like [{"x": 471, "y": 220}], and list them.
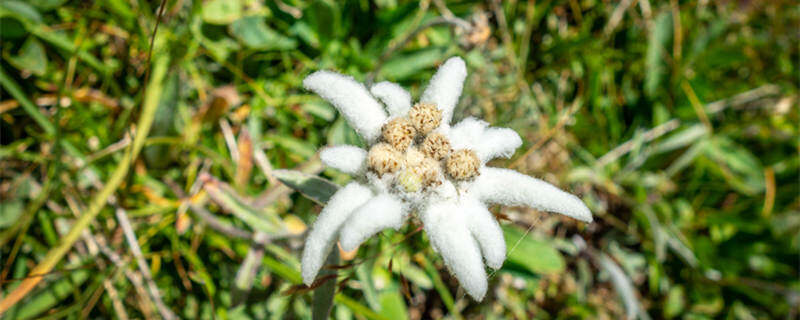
[
  {"x": 399, "y": 133},
  {"x": 414, "y": 157},
  {"x": 463, "y": 164},
  {"x": 436, "y": 146},
  {"x": 383, "y": 158},
  {"x": 429, "y": 170},
  {"x": 425, "y": 117}
]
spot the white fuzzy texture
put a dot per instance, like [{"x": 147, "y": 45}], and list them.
[
  {"x": 347, "y": 159},
  {"x": 381, "y": 212},
  {"x": 396, "y": 99},
  {"x": 445, "y": 87},
  {"x": 488, "y": 143},
  {"x": 352, "y": 99},
  {"x": 454, "y": 214},
  {"x": 323, "y": 234},
  {"x": 486, "y": 230},
  {"x": 511, "y": 188},
  {"x": 447, "y": 227}
]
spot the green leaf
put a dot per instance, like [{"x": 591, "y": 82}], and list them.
[
  {"x": 737, "y": 165},
  {"x": 52, "y": 295},
  {"x": 47, "y": 4},
  {"x": 19, "y": 10},
  {"x": 267, "y": 222},
  {"x": 341, "y": 133},
  {"x": 218, "y": 48},
  {"x": 409, "y": 65},
  {"x": 324, "y": 18},
  {"x": 10, "y": 211},
  {"x": 675, "y": 303},
  {"x": 322, "y": 300},
  {"x": 392, "y": 304},
  {"x": 158, "y": 156},
  {"x": 315, "y": 188},
  {"x": 656, "y": 48},
  {"x": 254, "y": 33},
  {"x": 296, "y": 146},
  {"x": 534, "y": 255},
  {"x": 222, "y": 11}
]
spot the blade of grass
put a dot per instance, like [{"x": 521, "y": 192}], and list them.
[
  {"x": 27, "y": 105},
  {"x": 100, "y": 199},
  {"x": 144, "y": 268}
]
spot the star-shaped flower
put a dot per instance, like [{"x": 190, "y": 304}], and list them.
[{"x": 418, "y": 163}]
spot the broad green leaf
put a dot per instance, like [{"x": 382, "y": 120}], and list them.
[
  {"x": 315, "y": 188},
  {"x": 254, "y": 33},
  {"x": 222, "y": 11},
  {"x": 534, "y": 255},
  {"x": 31, "y": 57}
]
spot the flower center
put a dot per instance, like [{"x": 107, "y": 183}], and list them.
[{"x": 418, "y": 156}]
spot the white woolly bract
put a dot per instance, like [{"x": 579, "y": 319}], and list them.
[
  {"x": 396, "y": 99},
  {"x": 511, "y": 188},
  {"x": 347, "y": 159},
  {"x": 381, "y": 212},
  {"x": 352, "y": 99},
  {"x": 447, "y": 230},
  {"x": 486, "y": 230},
  {"x": 445, "y": 87},
  {"x": 323, "y": 233},
  {"x": 488, "y": 143}
]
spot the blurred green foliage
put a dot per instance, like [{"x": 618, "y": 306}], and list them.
[{"x": 676, "y": 122}]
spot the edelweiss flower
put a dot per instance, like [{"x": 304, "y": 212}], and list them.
[{"x": 417, "y": 162}]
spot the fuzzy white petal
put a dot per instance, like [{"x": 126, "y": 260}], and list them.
[
  {"x": 396, "y": 99},
  {"x": 486, "y": 230},
  {"x": 466, "y": 133},
  {"x": 445, "y": 87},
  {"x": 488, "y": 143},
  {"x": 352, "y": 99},
  {"x": 511, "y": 188},
  {"x": 323, "y": 234},
  {"x": 347, "y": 159},
  {"x": 381, "y": 212},
  {"x": 449, "y": 235},
  {"x": 498, "y": 142}
]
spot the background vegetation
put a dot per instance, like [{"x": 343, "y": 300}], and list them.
[{"x": 676, "y": 122}]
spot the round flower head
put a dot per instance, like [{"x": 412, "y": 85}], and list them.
[
  {"x": 436, "y": 146},
  {"x": 425, "y": 117},
  {"x": 383, "y": 159},
  {"x": 463, "y": 164},
  {"x": 399, "y": 133},
  {"x": 417, "y": 163}
]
